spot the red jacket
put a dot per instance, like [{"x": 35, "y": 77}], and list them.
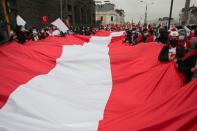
[{"x": 150, "y": 38}]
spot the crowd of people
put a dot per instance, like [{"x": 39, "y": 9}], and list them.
[
  {"x": 158, "y": 34},
  {"x": 180, "y": 43},
  {"x": 22, "y": 34},
  {"x": 181, "y": 48}
]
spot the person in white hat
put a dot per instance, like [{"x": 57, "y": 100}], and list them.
[{"x": 168, "y": 52}]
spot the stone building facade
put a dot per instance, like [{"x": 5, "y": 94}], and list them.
[
  {"x": 191, "y": 16},
  {"x": 80, "y": 11},
  {"x": 107, "y": 14}
]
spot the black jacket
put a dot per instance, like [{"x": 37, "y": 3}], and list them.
[
  {"x": 21, "y": 37},
  {"x": 163, "y": 55},
  {"x": 185, "y": 67}
]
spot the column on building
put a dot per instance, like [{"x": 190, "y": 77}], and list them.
[
  {"x": 83, "y": 16},
  {"x": 64, "y": 8},
  {"x": 73, "y": 12},
  {"x": 88, "y": 15},
  {"x": 70, "y": 9}
]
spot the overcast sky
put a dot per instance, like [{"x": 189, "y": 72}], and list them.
[{"x": 135, "y": 9}]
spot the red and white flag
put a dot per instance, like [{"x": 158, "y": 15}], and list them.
[{"x": 89, "y": 83}]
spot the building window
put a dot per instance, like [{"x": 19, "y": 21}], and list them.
[
  {"x": 69, "y": 8},
  {"x": 101, "y": 18},
  {"x": 112, "y": 18}
]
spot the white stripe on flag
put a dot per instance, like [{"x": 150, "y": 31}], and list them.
[{"x": 72, "y": 97}]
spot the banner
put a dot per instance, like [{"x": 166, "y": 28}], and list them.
[
  {"x": 20, "y": 21},
  {"x": 60, "y": 25}
]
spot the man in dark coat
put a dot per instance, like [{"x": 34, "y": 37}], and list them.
[
  {"x": 20, "y": 35},
  {"x": 128, "y": 36},
  {"x": 188, "y": 65}
]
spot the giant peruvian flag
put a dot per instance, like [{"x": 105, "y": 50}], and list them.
[{"x": 82, "y": 83}]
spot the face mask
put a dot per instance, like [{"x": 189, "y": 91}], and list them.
[{"x": 182, "y": 37}]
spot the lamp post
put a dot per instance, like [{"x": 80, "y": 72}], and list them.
[
  {"x": 146, "y": 15},
  {"x": 170, "y": 16},
  {"x": 146, "y": 10}
]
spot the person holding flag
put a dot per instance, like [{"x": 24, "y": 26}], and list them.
[
  {"x": 188, "y": 65},
  {"x": 168, "y": 52}
]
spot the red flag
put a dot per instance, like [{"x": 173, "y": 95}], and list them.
[
  {"x": 44, "y": 20},
  {"x": 92, "y": 83}
]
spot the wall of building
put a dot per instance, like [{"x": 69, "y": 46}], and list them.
[
  {"x": 105, "y": 7},
  {"x": 32, "y": 10},
  {"x": 107, "y": 11},
  {"x": 191, "y": 18},
  {"x": 80, "y": 11},
  {"x": 110, "y": 17},
  {"x": 107, "y": 17}
]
